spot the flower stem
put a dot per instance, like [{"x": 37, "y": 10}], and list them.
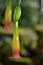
[{"x": 15, "y": 44}]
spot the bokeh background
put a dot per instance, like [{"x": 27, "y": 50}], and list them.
[{"x": 31, "y": 31}]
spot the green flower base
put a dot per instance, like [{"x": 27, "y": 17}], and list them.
[
  {"x": 3, "y": 31},
  {"x": 20, "y": 61}
]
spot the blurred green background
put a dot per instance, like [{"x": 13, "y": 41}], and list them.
[{"x": 29, "y": 41}]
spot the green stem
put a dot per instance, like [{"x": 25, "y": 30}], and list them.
[
  {"x": 15, "y": 28},
  {"x": 15, "y": 44},
  {"x": 19, "y": 2}
]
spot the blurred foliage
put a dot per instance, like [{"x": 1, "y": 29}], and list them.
[{"x": 30, "y": 17}]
